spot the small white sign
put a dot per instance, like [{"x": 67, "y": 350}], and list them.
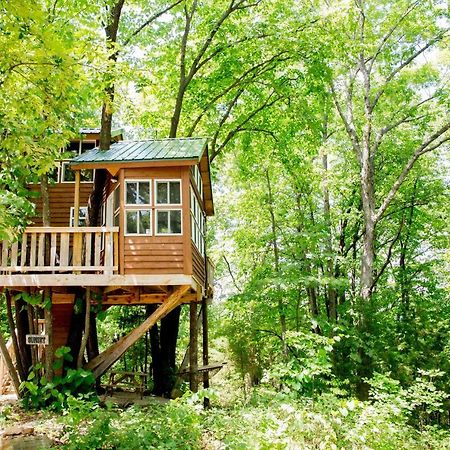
[{"x": 37, "y": 339}]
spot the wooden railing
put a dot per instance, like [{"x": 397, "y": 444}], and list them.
[{"x": 62, "y": 249}]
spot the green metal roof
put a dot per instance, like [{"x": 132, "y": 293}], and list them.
[{"x": 148, "y": 150}]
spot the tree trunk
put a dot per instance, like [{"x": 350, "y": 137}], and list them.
[
  {"x": 330, "y": 269},
  {"x": 87, "y": 320},
  {"x": 48, "y": 314},
  {"x": 276, "y": 257},
  {"x": 8, "y": 361},
  {"x": 12, "y": 329},
  {"x": 22, "y": 331}
]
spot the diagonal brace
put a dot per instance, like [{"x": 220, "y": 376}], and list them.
[{"x": 101, "y": 363}]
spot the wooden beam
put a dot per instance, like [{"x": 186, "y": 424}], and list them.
[
  {"x": 143, "y": 299},
  {"x": 41, "y": 280},
  {"x": 105, "y": 360},
  {"x": 61, "y": 299},
  {"x": 133, "y": 164}
]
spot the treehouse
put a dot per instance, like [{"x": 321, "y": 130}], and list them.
[{"x": 148, "y": 245}]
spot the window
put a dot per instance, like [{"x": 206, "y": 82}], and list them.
[
  {"x": 137, "y": 192},
  {"x": 138, "y": 221},
  {"x": 198, "y": 180},
  {"x": 168, "y": 192},
  {"x": 197, "y": 224},
  {"x": 68, "y": 175},
  {"x": 138, "y": 214},
  {"x": 82, "y": 215},
  {"x": 168, "y": 221}
]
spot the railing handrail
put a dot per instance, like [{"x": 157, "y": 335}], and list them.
[{"x": 31, "y": 230}]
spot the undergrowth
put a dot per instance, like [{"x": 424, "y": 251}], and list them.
[{"x": 266, "y": 420}]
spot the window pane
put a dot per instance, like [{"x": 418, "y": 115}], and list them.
[
  {"x": 116, "y": 198},
  {"x": 161, "y": 192},
  {"x": 86, "y": 175},
  {"x": 131, "y": 221},
  {"x": 116, "y": 220},
  {"x": 69, "y": 174},
  {"x": 53, "y": 175},
  {"x": 131, "y": 193},
  {"x": 144, "y": 193},
  {"x": 175, "y": 221},
  {"x": 175, "y": 197},
  {"x": 144, "y": 222},
  {"x": 163, "y": 222}
]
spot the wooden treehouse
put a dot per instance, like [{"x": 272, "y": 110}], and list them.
[{"x": 149, "y": 249}]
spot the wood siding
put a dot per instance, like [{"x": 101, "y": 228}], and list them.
[
  {"x": 62, "y": 316},
  {"x": 158, "y": 254},
  {"x": 62, "y": 197},
  {"x": 153, "y": 255},
  {"x": 198, "y": 265}
]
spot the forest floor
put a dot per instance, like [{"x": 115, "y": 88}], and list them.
[{"x": 263, "y": 420}]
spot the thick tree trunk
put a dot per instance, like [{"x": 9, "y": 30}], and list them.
[{"x": 22, "y": 331}]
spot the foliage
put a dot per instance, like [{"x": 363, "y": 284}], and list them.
[
  {"x": 38, "y": 392},
  {"x": 268, "y": 420},
  {"x": 176, "y": 425}
]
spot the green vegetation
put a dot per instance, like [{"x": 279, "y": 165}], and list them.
[{"x": 329, "y": 135}]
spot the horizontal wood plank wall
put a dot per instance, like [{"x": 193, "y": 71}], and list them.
[
  {"x": 62, "y": 315},
  {"x": 154, "y": 254},
  {"x": 62, "y": 197},
  {"x": 198, "y": 265}
]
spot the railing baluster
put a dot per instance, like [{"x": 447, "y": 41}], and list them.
[
  {"x": 53, "y": 250},
  {"x": 14, "y": 252},
  {"x": 41, "y": 250},
  {"x": 98, "y": 244},
  {"x": 87, "y": 257},
  {"x": 64, "y": 250},
  {"x": 23, "y": 250},
  {"x": 33, "y": 250},
  {"x": 5, "y": 248}
]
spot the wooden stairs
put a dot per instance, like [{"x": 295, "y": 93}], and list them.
[{"x": 106, "y": 359}]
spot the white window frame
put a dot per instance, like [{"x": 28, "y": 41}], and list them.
[
  {"x": 150, "y": 230},
  {"x": 62, "y": 171},
  {"x": 135, "y": 207},
  {"x": 72, "y": 218},
  {"x": 166, "y": 180},
  {"x": 157, "y": 211},
  {"x": 197, "y": 223},
  {"x": 138, "y": 205},
  {"x": 198, "y": 180}
]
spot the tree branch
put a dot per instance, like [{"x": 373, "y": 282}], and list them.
[
  {"x": 425, "y": 147},
  {"x": 150, "y": 21}
]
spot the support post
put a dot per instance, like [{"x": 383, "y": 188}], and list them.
[
  {"x": 193, "y": 347},
  {"x": 77, "y": 246},
  {"x": 205, "y": 352},
  {"x": 76, "y": 203}
]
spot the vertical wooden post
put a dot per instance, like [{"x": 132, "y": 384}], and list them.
[
  {"x": 77, "y": 241},
  {"x": 76, "y": 204},
  {"x": 205, "y": 351},
  {"x": 193, "y": 347},
  {"x": 122, "y": 221}
]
